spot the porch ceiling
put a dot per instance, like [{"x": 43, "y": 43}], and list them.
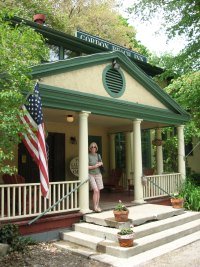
[{"x": 113, "y": 124}]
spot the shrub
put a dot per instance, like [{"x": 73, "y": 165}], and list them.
[
  {"x": 191, "y": 195},
  {"x": 9, "y": 234}
]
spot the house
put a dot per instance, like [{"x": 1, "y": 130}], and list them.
[{"x": 94, "y": 90}]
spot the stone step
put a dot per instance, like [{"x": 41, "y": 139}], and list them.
[
  {"x": 133, "y": 260},
  {"x": 155, "y": 240},
  {"x": 142, "y": 244},
  {"x": 138, "y": 215},
  {"x": 141, "y": 230}
]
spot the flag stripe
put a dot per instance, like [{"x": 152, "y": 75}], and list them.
[{"x": 34, "y": 140}]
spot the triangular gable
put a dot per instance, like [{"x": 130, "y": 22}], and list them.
[{"x": 142, "y": 90}]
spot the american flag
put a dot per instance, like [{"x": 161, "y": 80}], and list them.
[{"x": 34, "y": 140}]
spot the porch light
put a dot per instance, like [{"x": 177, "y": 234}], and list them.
[
  {"x": 70, "y": 118},
  {"x": 115, "y": 65}
]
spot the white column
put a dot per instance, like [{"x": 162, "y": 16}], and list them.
[
  {"x": 181, "y": 151},
  {"x": 83, "y": 161},
  {"x": 137, "y": 162},
  {"x": 159, "y": 153},
  {"x": 128, "y": 156},
  {"x": 112, "y": 151}
]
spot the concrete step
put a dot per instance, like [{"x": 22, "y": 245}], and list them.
[
  {"x": 136, "y": 260},
  {"x": 111, "y": 246},
  {"x": 137, "y": 214},
  {"x": 141, "y": 230},
  {"x": 155, "y": 240}
]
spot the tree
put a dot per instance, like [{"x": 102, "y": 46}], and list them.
[
  {"x": 185, "y": 90},
  {"x": 20, "y": 48},
  {"x": 98, "y": 17},
  {"x": 181, "y": 18}
]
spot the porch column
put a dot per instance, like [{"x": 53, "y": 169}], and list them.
[
  {"x": 128, "y": 157},
  {"x": 83, "y": 161},
  {"x": 159, "y": 153},
  {"x": 137, "y": 162},
  {"x": 181, "y": 151},
  {"x": 112, "y": 151}
]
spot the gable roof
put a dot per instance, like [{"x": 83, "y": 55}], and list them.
[
  {"x": 66, "y": 40},
  {"x": 125, "y": 63}
]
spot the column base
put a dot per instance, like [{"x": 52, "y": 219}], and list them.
[
  {"x": 139, "y": 201},
  {"x": 84, "y": 211}
]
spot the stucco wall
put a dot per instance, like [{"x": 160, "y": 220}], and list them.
[
  {"x": 193, "y": 161},
  {"x": 89, "y": 80}
]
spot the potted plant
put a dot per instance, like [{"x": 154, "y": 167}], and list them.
[
  {"x": 157, "y": 142},
  {"x": 121, "y": 212},
  {"x": 126, "y": 237},
  {"x": 177, "y": 201}
]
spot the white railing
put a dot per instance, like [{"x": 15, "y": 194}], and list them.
[
  {"x": 170, "y": 183},
  {"x": 25, "y": 200}
]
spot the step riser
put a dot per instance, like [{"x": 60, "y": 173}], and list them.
[
  {"x": 87, "y": 230},
  {"x": 167, "y": 226},
  {"x": 103, "y": 247},
  {"x": 79, "y": 241},
  {"x": 97, "y": 233}
]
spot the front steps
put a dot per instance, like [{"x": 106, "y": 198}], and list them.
[{"x": 160, "y": 227}]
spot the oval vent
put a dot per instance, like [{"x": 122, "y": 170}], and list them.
[{"x": 114, "y": 81}]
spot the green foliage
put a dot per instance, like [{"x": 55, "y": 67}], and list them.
[
  {"x": 21, "y": 47},
  {"x": 126, "y": 231},
  {"x": 120, "y": 206},
  {"x": 9, "y": 234},
  {"x": 185, "y": 90},
  {"x": 191, "y": 195},
  {"x": 97, "y": 17},
  {"x": 180, "y": 18}
]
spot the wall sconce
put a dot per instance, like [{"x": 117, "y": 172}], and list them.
[
  {"x": 70, "y": 118},
  {"x": 73, "y": 140},
  {"x": 115, "y": 65}
]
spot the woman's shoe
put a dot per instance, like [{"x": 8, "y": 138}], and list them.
[{"x": 98, "y": 210}]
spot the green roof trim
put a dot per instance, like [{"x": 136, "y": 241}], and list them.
[
  {"x": 59, "y": 98},
  {"x": 100, "y": 58}
]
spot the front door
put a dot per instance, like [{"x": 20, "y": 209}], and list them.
[{"x": 56, "y": 160}]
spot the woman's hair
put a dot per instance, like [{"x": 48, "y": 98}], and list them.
[{"x": 93, "y": 144}]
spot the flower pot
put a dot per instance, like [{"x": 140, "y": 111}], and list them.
[
  {"x": 157, "y": 142},
  {"x": 126, "y": 240},
  {"x": 121, "y": 216},
  {"x": 177, "y": 203},
  {"x": 39, "y": 18}
]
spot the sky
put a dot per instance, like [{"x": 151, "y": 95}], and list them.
[{"x": 146, "y": 34}]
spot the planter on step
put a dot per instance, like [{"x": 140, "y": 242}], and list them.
[
  {"x": 177, "y": 203},
  {"x": 126, "y": 240},
  {"x": 121, "y": 216},
  {"x": 121, "y": 212}
]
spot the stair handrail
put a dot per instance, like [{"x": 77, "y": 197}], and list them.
[{"x": 57, "y": 202}]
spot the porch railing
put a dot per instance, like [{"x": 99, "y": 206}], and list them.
[
  {"x": 25, "y": 200},
  {"x": 170, "y": 183}
]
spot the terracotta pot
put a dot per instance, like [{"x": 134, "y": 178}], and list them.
[
  {"x": 126, "y": 240},
  {"x": 121, "y": 216},
  {"x": 157, "y": 142},
  {"x": 177, "y": 203},
  {"x": 39, "y": 18}
]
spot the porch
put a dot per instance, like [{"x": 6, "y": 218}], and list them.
[{"x": 24, "y": 201}]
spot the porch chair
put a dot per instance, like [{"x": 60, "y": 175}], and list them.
[{"x": 114, "y": 179}]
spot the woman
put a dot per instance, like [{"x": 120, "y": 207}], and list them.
[{"x": 95, "y": 176}]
